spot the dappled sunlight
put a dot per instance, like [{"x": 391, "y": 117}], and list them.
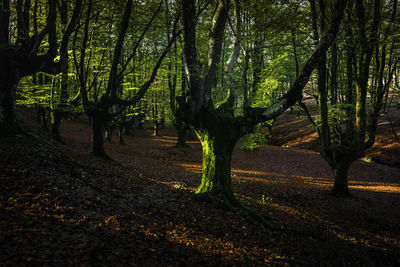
[
  {"x": 286, "y": 124},
  {"x": 358, "y": 236},
  {"x": 289, "y": 149},
  {"x": 166, "y": 137},
  {"x": 168, "y": 141},
  {"x": 374, "y": 187},
  {"x": 308, "y": 138},
  {"x": 363, "y": 237},
  {"x": 173, "y": 184},
  {"x": 267, "y": 177},
  {"x": 142, "y": 207},
  {"x": 211, "y": 245},
  {"x": 165, "y": 140},
  {"x": 279, "y": 178},
  {"x": 383, "y": 123},
  {"x": 300, "y": 214},
  {"x": 194, "y": 168}
]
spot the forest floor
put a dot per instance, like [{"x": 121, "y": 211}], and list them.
[{"x": 61, "y": 206}]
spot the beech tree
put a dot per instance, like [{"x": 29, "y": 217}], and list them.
[
  {"x": 21, "y": 43},
  {"x": 348, "y": 123},
  {"x": 217, "y": 125},
  {"x": 110, "y": 102}
]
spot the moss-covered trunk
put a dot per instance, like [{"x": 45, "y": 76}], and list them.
[{"x": 216, "y": 169}]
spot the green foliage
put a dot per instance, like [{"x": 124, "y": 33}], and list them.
[
  {"x": 46, "y": 94},
  {"x": 272, "y": 83},
  {"x": 337, "y": 112},
  {"x": 253, "y": 140},
  {"x": 31, "y": 94},
  {"x": 264, "y": 200}
]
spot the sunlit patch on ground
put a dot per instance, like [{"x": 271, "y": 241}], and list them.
[
  {"x": 195, "y": 168},
  {"x": 387, "y": 188},
  {"x": 223, "y": 247}
]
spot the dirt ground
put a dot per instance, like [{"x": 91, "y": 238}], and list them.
[{"x": 61, "y": 206}]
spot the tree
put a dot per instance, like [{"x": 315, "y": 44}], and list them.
[
  {"x": 110, "y": 103},
  {"x": 348, "y": 123},
  {"x": 20, "y": 45},
  {"x": 217, "y": 125}
]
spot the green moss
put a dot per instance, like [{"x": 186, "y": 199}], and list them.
[
  {"x": 225, "y": 108},
  {"x": 208, "y": 168}
]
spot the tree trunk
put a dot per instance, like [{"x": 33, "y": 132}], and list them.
[
  {"x": 341, "y": 184},
  {"x": 140, "y": 126},
  {"x": 42, "y": 118},
  {"x": 216, "y": 169},
  {"x": 98, "y": 136},
  {"x": 8, "y": 87},
  {"x": 182, "y": 133},
  {"x": 108, "y": 134},
  {"x": 121, "y": 132},
  {"x": 56, "y": 117},
  {"x": 181, "y": 129},
  {"x": 156, "y": 128}
]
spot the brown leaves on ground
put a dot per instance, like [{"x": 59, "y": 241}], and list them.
[{"x": 62, "y": 206}]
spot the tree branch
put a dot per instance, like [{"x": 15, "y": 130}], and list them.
[
  {"x": 294, "y": 94},
  {"x": 132, "y": 55},
  {"x": 113, "y": 78}
]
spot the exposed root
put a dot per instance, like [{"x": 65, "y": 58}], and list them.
[
  {"x": 258, "y": 217},
  {"x": 182, "y": 145},
  {"x": 58, "y": 139},
  {"x": 342, "y": 194},
  {"x": 250, "y": 214},
  {"x": 103, "y": 156},
  {"x": 234, "y": 205}
]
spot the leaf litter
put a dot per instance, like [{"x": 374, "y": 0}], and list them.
[{"x": 65, "y": 207}]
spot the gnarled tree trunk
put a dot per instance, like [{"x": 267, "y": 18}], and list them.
[
  {"x": 216, "y": 126},
  {"x": 216, "y": 170}
]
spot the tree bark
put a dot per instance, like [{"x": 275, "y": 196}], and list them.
[
  {"x": 22, "y": 58},
  {"x": 216, "y": 126},
  {"x": 42, "y": 118},
  {"x": 156, "y": 128},
  {"x": 216, "y": 170},
  {"x": 56, "y": 117},
  {"x": 182, "y": 133},
  {"x": 121, "y": 133},
  {"x": 98, "y": 135},
  {"x": 340, "y": 170},
  {"x": 8, "y": 85},
  {"x": 57, "y": 113}
]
